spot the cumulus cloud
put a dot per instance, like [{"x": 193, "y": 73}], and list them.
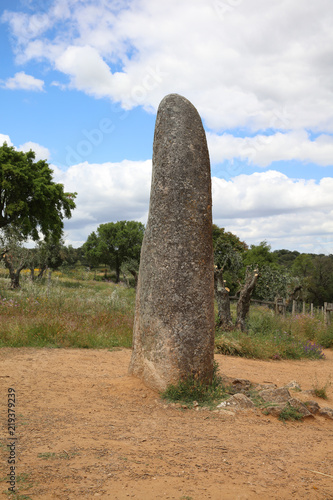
[
  {"x": 87, "y": 70},
  {"x": 269, "y": 193},
  {"x": 244, "y": 66},
  {"x": 258, "y": 72},
  {"x": 262, "y": 150},
  {"x": 5, "y": 138},
  {"x": 22, "y": 81},
  {"x": 288, "y": 213},
  {"x": 106, "y": 192},
  {"x": 41, "y": 153}
]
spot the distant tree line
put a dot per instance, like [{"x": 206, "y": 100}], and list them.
[
  {"x": 33, "y": 206},
  {"x": 259, "y": 273}
]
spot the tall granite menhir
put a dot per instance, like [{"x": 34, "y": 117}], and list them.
[{"x": 174, "y": 316}]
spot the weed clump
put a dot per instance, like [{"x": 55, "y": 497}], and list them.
[
  {"x": 191, "y": 389},
  {"x": 275, "y": 337},
  {"x": 290, "y": 413},
  {"x": 321, "y": 391}
]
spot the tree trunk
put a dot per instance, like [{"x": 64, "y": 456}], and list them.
[
  {"x": 223, "y": 301},
  {"x": 117, "y": 268},
  {"x": 42, "y": 271},
  {"x": 14, "y": 279},
  {"x": 14, "y": 274},
  {"x": 243, "y": 304}
]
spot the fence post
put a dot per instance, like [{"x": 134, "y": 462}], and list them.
[
  {"x": 311, "y": 306},
  {"x": 294, "y": 307},
  {"x": 325, "y": 314},
  {"x": 48, "y": 283}
]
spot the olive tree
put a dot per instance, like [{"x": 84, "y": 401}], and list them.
[{"x": 32, "y": 206}]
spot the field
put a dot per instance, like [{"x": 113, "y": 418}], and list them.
[{"x": 85, "y": 428}]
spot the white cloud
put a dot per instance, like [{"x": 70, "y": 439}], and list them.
[
  {"x": 106, "y": 192},
  {"x": 5, "y": 138},
  {"x": 87, "y": 70},
  {"x": 256, "y": 66},
  {"x": 262, "y": 150},
  {"x": 288, "y": 213},
  {"x": 22, "y": 81},
  {"x": 243, "y": 67},
  {"x": 269, "y": 193},
  {"x": 41, "y": 153}
]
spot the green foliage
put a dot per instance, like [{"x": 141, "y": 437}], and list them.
[
  {"x": 302, "y": 265},
  {"x": 29, "y": 198},
  {"x": 13, "y": 254},
  {"x": 315, "y": 275},
  {"x": 228, "y": 256},
  {"x": 219, "y": 234},
  {"x": 274, "y": 337},
  {"x": 272, "y": 283},
  {"x": 191, "y": 389},
  {"x": 114, "y": 243},
  {"x": 282, "y": 272},
  {"x": 290, "y": 413},
  {"x": 320, "y": 285},
  {"x": 321, "y": 390},
  {"x": 56, "y": 456},
  {"x": 285, "y": 258},
  {"x": 260, "y": 256},
  {"x": 66, "y": 313}
]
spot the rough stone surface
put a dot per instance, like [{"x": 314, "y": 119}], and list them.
[
  {"x": 277, "y": 395},
  {"x": 293, "y": 385},
  {"x": 274, "y": 409},
  {"x": 237, "y": 400},
  {"x": 261, "y": 387},
  {"x": 326, "y": 412},
  {"x": 312, "y": 406},
  {"x": 241, "y": 385},
  {"x": 174, "y": 317},
  {"x": 300, "y": 407}
]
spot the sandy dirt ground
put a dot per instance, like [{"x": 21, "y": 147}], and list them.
[{"x": 86, "y": 429}]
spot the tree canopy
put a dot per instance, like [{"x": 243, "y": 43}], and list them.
[
  {"x": 30, "y": 200},
  {"x": 115, "y": 243}
]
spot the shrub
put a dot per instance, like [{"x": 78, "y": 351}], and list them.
[
  {"x": 67, "y": 313},
  {"x": 290, "y": 413},
  {"x": 191, "y": 389},
  {"x": 276, "y": 337}
]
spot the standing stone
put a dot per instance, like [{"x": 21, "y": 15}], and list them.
[{"x": 174, "y": 316}]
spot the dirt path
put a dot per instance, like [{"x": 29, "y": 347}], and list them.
[{"x": 87, "y": 429}]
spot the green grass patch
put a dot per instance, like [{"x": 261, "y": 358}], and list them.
[
  {"x": 321, "y": 390},
  {"x": 66, "y": 313},
  {"x": 191, "y": 389},
  {"x": 274, "y": 337},
  {"x": 74, "y": 310},
  {"x": 290, "y": 413},
  {"x": 22, "y": 483},
  {"x": 56, "y": 456}
]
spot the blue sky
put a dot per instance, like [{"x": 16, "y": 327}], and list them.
[{"x": 81, "y": 80}]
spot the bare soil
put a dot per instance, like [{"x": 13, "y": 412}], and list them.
[{"x": 85, "y": 428}]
